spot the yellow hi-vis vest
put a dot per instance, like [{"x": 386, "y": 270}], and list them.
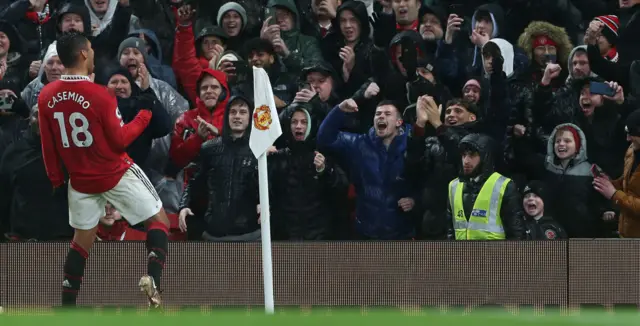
[{"x": 484, "y": 222}]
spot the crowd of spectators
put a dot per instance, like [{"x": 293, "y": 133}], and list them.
[{"x": 402, "y": 119}]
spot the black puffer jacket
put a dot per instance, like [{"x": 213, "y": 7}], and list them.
[
  {"x": 229, "y": 171},
  {"x": 521, "y": 104},
  {"x": 28, "y": 208},
  {"x": 511, "y": 210},
  {"x": 304, "y": 201}
]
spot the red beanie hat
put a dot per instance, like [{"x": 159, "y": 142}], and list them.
[
  {"x": 576, "y": 136},
  {"x": 611, "y": 25}
]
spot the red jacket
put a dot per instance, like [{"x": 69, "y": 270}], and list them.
[
  {"x": 185, "y": 142},
  {"x": 186, "y": 65}
]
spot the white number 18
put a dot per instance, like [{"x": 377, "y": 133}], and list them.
[{"x": 76, "y": 129}]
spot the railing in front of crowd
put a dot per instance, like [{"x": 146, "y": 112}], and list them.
[{"x": 437, "y": 274}]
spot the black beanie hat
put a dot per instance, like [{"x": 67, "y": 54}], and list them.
[{"x": 534, "y": 187}]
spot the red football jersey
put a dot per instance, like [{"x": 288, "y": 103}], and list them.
[{"x": 80, "y": 125}]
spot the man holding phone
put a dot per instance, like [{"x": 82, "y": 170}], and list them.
[
  {"x": 295, "y": 49},
  {"x": 599, "y": 105},
  {"x": 546, "y": 44}
]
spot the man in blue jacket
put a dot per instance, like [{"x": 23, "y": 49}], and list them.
[{"x": 376, "y": 165}]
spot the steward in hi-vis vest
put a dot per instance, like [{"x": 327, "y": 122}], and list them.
[{"x": 483, "y": 204}]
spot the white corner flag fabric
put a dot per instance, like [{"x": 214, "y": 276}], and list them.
[{"x": 265, "y": 128}]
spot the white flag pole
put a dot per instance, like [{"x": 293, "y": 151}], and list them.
[{"x": 265, "y": 226}]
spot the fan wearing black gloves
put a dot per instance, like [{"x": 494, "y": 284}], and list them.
[{"x": 133, "y": 98}]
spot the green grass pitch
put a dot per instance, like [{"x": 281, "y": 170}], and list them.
[{"x": 321, "y": 317}]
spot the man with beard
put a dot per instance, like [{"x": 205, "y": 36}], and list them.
[
  {"x": 376, "y": 162},
  {"x": 305, "y": 184},
  {"x": 433, "y": 22},
  {"x": 483, "y": 204},
  {"x": 229, "y": 171}
]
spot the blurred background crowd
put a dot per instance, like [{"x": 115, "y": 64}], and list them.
[{"x": 402, "y": 119}]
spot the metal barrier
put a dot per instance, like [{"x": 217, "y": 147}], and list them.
[{"x": 556, "y": 273}]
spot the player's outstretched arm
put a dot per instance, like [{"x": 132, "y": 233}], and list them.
[
  {"x": 52, "y": 161},
  {"x": 121, "y": 135}
]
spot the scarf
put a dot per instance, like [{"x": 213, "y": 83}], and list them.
[
  {"x": 39, "y": 18},
  {"x": 414, "y": 26},
  {"x": 612, "y": 55}
]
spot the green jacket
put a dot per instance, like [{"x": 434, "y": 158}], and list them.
[{"x": 304, "y": 50}]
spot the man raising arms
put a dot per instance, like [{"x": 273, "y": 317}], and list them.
[{"x": 81, "y": 126}]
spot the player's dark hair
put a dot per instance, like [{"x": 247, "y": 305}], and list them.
[{"x": 69, "y": 46}]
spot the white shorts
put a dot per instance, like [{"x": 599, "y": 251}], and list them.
[{"x": 134, "y": 197}]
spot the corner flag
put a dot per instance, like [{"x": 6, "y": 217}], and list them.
[{"x": 265, "y": 128}]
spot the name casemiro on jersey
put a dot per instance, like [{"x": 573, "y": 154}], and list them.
[{"x": 68, "y": 96}]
